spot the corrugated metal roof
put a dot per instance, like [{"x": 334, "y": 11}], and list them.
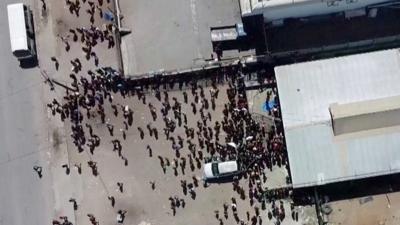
[
  {"x": 282, "y": 9},
  {"x": 327, "y": 3},
  {"x": 307, "y": 89},
  {"x": 16, "y": 23}
]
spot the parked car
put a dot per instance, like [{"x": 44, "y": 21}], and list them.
[{"x": 218, "y": 169}]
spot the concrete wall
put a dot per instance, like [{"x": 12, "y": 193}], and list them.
[
  {"x": 366, "y": 122},
  {"x": 367, "y": 115}
]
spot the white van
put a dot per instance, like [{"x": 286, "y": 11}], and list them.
[{"x": 20, "y": 22}]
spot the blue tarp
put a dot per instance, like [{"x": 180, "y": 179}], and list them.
[{"x": 267, "y": 106}]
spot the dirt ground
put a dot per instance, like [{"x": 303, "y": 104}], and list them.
[{"x": 381, "y": 209}]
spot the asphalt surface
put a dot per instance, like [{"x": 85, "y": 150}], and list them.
[{"x": 23, "y": 138}]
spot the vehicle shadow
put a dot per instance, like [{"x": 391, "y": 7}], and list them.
[
  {"x": 222, "y": 180},
  {"x": 28, "y": 63}
]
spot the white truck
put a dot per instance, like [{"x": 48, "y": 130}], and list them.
[{"x": 22, "y": 36}]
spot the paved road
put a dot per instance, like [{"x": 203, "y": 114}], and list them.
[{"x": 23, "y": 137}]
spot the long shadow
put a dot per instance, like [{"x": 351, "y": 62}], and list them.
[
  {"x": 220, "y": 180},
  {"x": 32, "y": 62},
  {"x": 349, "y": 189},
  {"x": 228, "y": 179}
]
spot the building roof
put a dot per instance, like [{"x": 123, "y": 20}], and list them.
[
  {"x": 365, "y": 115},
  {"x": 365, "y": 107},
  {"x": 16, "y": 20},
  {"x": 306, "y": 91},
  {"x": 249, "y": 5},
  {"x": 282, "y": 9},
  {"x": 321, "y": 35},
  {"x": 227, "y": 167}
]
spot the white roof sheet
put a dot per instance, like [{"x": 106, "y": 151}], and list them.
[
  {"x": 16, "y": 23},
  {"x": 365, "y": 107},
  {"x": 327, "y": 3},
  {"x": 282, "y": 9},
  {"x": 307, "y": 89}
]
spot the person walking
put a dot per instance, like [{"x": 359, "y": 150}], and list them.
[
  {"x": 141, "y": 132},
  {"x": 44, "y": 6},
  {"x": 38, "y": 170},
  {"x": 93, "y": 165},
  {"x": 120, "y": 187},
  {"x": 153, "y": 185},
  {"x": 56, "y": 63},
  {"x": 121, "y": 216},
  {"x": 150, "y": 151},
  {"x": 112, "y": 200},
  {"x": 67, "y": 170},
  {"x": 92, "y": 219},
  {"x": 79, "y": 168},
  {"x": 110, "y": 128},
  {"x": 74, "y": 35},
  {"x": 75, "y": 205},
  {"x": 65, "y": 41},
  {"x": 123, "y": 133}
]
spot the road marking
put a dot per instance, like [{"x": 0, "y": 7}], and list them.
[{"x": 195, "y": 26}]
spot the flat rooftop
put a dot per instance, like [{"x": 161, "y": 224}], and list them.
[
  {"x": 306, "y": 91},
  {"x": 331, "y": 30},
  {"x": 273, "y": 10},
  {"x": 172, "y": 35}
]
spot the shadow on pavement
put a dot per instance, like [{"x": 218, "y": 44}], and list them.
[
  {"x": 223, "y": 180},
  {"x": 350, "y": 189},
  {"x": 28, "y": 63}
]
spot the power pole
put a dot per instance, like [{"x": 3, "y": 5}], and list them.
[
  {"x": 52, "y": 82},
  {"x": 318, "y": 207}
]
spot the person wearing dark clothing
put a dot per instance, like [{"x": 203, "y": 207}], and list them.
[{"x": 38, "y": 169}]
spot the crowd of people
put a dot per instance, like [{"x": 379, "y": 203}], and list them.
[
  {"x": 87, "y": 92},
  {"x": 260, "y": 147},
  {"x": 237, "y": 136}
]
